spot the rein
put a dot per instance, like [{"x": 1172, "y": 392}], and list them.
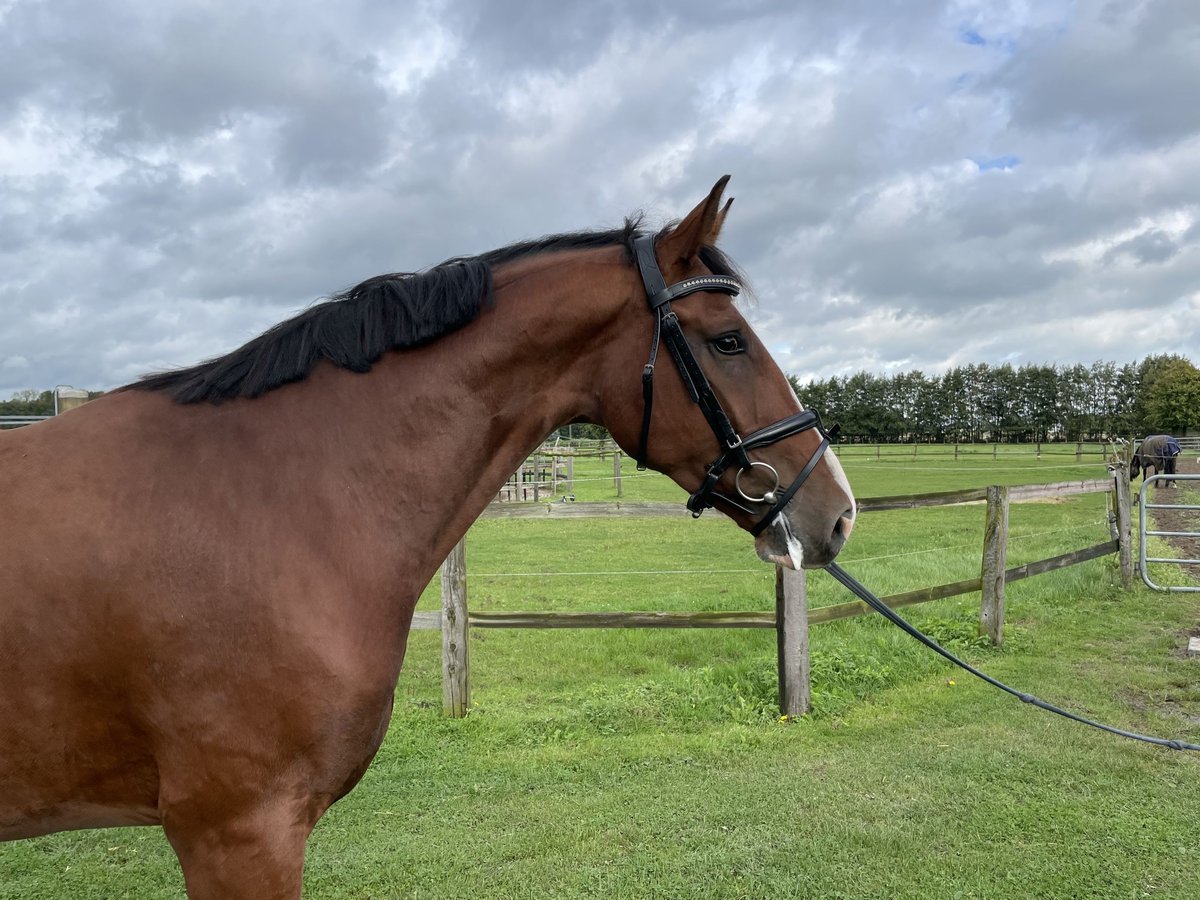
[
  {"x": 844, "y": 577},
  {"x": 735, "y": 449}
]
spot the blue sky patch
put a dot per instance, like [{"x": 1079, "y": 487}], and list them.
[{"x": 1005, "y": 162}]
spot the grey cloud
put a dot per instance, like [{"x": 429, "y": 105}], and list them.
[
  {"x": 1153, "y": 246},
  {"x": 175, "y": 178},
  {"x": 1123, "y": 72}
]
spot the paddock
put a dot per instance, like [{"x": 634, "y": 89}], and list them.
[{"x": 791, "y": 616}]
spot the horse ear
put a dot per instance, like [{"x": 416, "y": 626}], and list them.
[
  {"x": 699, "y": 228},
  {"x": 720, "y": 223}
]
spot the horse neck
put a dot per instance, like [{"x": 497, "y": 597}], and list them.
[{"x": 433, "y": 433}]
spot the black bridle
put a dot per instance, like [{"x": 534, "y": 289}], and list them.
[{"x": 735, "y": 449}]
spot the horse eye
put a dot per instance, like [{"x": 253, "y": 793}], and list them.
[{"x": 729, "y": 344}]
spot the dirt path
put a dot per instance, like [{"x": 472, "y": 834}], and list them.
[{"x": 1180, "y": 520}]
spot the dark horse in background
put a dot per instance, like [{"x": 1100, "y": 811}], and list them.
[
  {"x": 1159, "y": 452},
  {"x": 249, "y": 536}
]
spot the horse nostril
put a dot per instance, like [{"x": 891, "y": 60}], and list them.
[{"x": 843, "y": 526}]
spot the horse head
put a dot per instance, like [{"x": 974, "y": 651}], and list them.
[
  {"x": 1135, "y": 467},
  {"x": 720, "y": 418}
]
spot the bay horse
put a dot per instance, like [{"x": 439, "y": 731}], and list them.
[{"x": 216, "y": 646}]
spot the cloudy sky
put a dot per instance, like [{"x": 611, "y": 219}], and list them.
[{"x": 919, "y": 184}]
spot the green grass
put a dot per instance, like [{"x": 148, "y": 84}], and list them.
[{"x": 653, "y": 763}]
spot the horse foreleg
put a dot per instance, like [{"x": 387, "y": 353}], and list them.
[{"x": 258, "y": 854}]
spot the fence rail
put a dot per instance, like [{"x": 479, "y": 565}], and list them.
[
  {"x": 912, "y": 450},
  {"x": 17, "y": 421},
  {"x": 791, "y": 617}
]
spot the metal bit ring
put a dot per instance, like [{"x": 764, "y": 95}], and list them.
[{"x": 768, "y": 496}]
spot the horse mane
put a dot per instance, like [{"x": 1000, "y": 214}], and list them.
[{"x": 354, "y": 328}]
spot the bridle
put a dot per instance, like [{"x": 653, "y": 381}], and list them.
[{"x": 735, "y": 449}]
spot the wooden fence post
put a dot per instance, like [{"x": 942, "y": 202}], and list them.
[
  {"x": 456, "y": 675},
  {"x": 617, "y": 470},
  {"x": 1123, "y": 500},
  {"x": 791, "y": 629},
  {"x": 571, "y": 474},
  {"x": 995, "y": 550}
]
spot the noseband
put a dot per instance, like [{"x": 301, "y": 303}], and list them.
[{"x": 735, "y": 449}]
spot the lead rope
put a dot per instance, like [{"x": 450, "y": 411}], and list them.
[{"x": 888, "y": 613}]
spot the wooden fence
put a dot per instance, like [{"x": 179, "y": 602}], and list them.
[
  {"x": 913, "y": 450},
  {"x": 791, "y": 617},
  {"x": 551, "y": 469}
]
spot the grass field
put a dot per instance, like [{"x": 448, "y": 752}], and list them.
[{"x": 653, "y": 763}]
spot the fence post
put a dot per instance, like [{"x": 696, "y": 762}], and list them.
[
  {"x": 1123, "y": 500},
  {"x": 456, "y": 675},
  {"x": 995, "y": 550},
  {"x": 617, "y": 469},
  {"x": 571, "y": 474},
  {"x": 791, "y": 629}
]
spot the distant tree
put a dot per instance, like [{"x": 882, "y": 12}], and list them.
[
  {"x": 956, "y": 416},
  {"x": 1073, "y": 401},
  {"x": 1038, "y": 406},
  {"x": 34, "y": 403},
  {"x": 1172, "y": 398},
  {"x": 823, "y": 396},
  {"x": 583, "y": 431},
  {"x": 1125, "y": 421},
  {"x": 28, "y": 403}
]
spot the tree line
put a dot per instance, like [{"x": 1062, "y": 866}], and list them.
[
  {"x": 1001, "y": 403},
  {"x": 34, "y": 403}
]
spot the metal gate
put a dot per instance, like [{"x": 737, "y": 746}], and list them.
[{"x": 1192, "y": 508}]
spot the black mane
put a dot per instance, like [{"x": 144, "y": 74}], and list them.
[{"x": 353, "y": 329}]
